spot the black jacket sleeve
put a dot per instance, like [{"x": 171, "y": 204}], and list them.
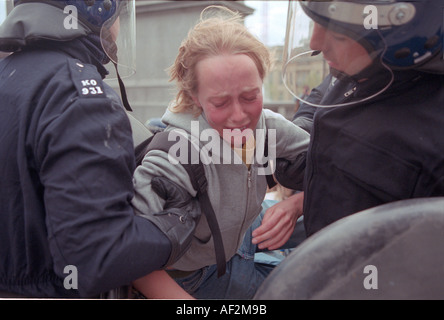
[{"x": 85, "y": 160}]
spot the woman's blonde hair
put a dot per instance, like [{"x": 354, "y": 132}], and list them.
[{"x": 219, "y": 31}]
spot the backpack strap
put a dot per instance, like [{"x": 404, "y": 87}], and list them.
[
  {"x": 270, "y": 180},
  {"x": 141, "y": 150},
  {"x": 196, "y": 172},
  {"x": 199, "y": 181}
]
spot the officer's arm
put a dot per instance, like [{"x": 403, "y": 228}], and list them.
[{"x": 86, "y": 162}]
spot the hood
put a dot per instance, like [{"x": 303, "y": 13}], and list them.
[
  {"x": 29, "y": 23},
  {"x": 184, "y": 121}
]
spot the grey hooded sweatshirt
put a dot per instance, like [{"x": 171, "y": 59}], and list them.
[{"x": 236, "y": 190}]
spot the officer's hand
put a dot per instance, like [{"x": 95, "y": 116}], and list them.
[{"x": 179, "y": 218}]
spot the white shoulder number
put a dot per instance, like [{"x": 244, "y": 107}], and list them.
[{"x": 91, "y": 87}]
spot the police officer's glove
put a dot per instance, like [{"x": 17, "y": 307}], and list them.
[
  {"x": 291, "y": 174},
  {"x": 179, "y": 218}
]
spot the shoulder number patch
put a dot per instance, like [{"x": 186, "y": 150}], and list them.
[
  {"x": 91, "y": 87},
  {"x": 86, "y": 79}
]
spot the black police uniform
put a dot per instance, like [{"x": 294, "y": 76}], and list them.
[
  {"x": 66, "y": 165},
  {"x": 389, "y": 148}
]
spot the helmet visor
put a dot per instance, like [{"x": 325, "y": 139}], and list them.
[
  {"x": 334, "y": 40},
  {"x": 118, "y": 37}
]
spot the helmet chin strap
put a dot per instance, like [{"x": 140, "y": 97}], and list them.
[
  {"x": 122, "y": 89},
  {"x": 112, "y": 54}
]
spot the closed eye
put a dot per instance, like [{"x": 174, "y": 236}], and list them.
[
  {"x": 250, "y": 98},
  {"x": 251, "y": 95},
  {"x": 219, "y": 104}
]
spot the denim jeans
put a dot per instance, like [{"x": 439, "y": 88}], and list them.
[{"x": 243, "y": 275}]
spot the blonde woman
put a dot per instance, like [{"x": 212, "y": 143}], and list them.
[{"x": 219, "y": 72}]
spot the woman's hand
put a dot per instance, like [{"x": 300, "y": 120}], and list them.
[{"x": 278, "y": 223}]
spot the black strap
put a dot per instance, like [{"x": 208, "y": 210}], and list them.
[
  {"x": 270, "y": 180},
  {"x": 196, "y": 172},
  {"x": 122, "y": 90},
  {"x": 142, "y": 149},
  {"x": 199, "y": 181}
]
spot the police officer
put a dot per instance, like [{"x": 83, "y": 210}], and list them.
[
  {"x": 378, "y": 126},
  {"x": 67, "y": 158}
]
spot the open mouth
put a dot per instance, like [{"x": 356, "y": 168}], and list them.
[{"x": 241, "y": 129}]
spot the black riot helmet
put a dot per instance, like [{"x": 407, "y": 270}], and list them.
[
  {"x": 63, "y": 20},
  {"x": 394, "y": 34}
]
